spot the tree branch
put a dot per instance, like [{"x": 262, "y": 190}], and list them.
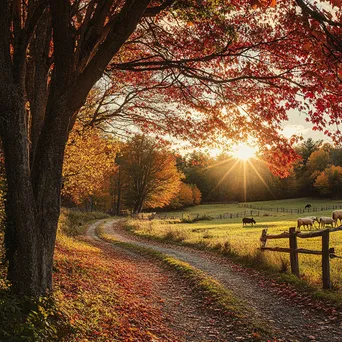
[{"x": 153, "y": 11}]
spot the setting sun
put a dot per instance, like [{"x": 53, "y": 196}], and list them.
[{"x": 244, "y": 151}]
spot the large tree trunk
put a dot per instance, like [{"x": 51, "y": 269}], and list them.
[
  {"x": 33, "y": 197},
  {"x": 37, "y": 107},
  {"x": 21, "y": 240}
]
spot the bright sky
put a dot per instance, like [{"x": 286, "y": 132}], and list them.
[{"x": 297, "y": 125}]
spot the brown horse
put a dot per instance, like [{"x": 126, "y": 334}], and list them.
[{"x": 246, "y": 220}]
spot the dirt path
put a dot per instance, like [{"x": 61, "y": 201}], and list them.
[
  {"x": 290, "y": 320},
  {"x": 183, "y": 317}
]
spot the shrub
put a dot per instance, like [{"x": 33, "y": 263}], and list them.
[
  {"x": 72, "y": 222},
  {"x": 188, "y": 219},
  {"x": 175, "y": 235},
  {"x": 204, "y": 217},
  {"x": 27, "y": 319}
]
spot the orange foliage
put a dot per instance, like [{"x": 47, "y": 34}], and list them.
[
  {"x": 89, "y": 158},
  {"x": 329, "y": 181},
  {"x": 196, "y": 194},
  {"x": 185, "y": 195},
  {"x": 318, "y": 160},
  {"x": 149, "y": 172},
  {"x": 189, "y": 194}
]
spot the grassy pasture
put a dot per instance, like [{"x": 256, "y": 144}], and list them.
[{"x": 229, "y": 236}]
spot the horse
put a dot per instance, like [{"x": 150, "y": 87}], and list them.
[
  {"x": 246, "y": 220},
  {"x": 326, "y": 220},
  {"x": 305, "y": 221},
  {"x": 337, "y": 215}
]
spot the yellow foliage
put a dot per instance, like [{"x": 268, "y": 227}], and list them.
[
  {"x": 329, "y": 181},
  {"x": 89, "y": 159},
  {"x": 149, "y": 174},
  {"x": 185, "y": 195}
]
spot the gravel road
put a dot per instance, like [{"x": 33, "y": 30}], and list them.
[
  {"x": 182, "y": 314},
  {"x": 289, "y": 319}
]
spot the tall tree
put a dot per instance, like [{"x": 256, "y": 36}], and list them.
[
  {"x": 149, "y": 174},
  {"x": 240, "y": 68}
]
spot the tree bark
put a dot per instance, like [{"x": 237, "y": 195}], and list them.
[
  {"x": 33, "y": 197},
  {"x": 21, "y": 240},
  {"x": 34, "y": 138}
]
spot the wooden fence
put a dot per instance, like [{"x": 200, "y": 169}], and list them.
[
  {"x": 326, "y": 252},
  {"x": 170, "y": 216},
  {"x": 292, "y": 210}
]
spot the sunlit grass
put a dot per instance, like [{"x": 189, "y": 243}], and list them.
[{"x": 229, "y": 236}]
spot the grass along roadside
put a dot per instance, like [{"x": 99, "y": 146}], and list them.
[
  {"x": 216, "y": 296},
  {"x": 230, "y": 238},
  {"x": 74, "y": 222}
]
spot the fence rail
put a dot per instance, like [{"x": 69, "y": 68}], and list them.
[
  {"x": 292, "y": 210},
  {"x": 240, "y": 214},
  {"x": 253, "y": 211},
  {"x": 326, "y": 252}
]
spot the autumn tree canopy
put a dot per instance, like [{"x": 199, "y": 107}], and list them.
[
  {"x": 182, "y": 67},
  {"x": 149, "y": 175},
  {"x": 89, "y": 160},
  {"x": 188, "y": 194}
]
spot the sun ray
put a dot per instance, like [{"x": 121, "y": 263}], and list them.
[
  {"x": 218, "y": 163},
  {"x": 226, "y": 174},
  {"x": 267, "y": 163},
  {"x": 244, "y": 181},
  {"x": 261, "y": 178}
]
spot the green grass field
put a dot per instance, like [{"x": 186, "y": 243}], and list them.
[{"x": 229, "y": 236}]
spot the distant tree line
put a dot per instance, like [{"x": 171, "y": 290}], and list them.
[
  {"x": 318, "y": 172},
  {"x": 132, "y": 176},
  {"x": 145, "y": 174}
]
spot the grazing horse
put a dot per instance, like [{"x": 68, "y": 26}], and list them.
[
  {"x": 305, "y": 222},
  {"x": 308, "y": 206},
  {"x": 326, "y": 220},
  {"x": 337, "y": 215},
  {"x": 246, "y": 220}
]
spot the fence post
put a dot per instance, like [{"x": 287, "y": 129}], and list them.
[
  {"x": 325, "y": 260},
  {"x": 263, "y": 238},
  {"x": 293, "y": 252}
]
